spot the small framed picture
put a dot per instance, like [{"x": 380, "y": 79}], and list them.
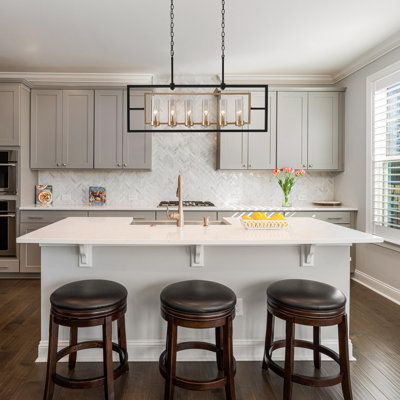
[
  {"x": 97, "y": 195},
  {"x": 43, "y": 195}
]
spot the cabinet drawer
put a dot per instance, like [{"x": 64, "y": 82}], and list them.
[
  {"x": 191, "y": 215},
  {"x": 142, "y": 215},
  {"x": 9, "y": 265},
  {"x": 335, "y": 217},
  {"x": 49, "y": 215}
]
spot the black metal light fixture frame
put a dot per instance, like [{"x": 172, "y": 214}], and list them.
[{"x": 222, "y": 86}]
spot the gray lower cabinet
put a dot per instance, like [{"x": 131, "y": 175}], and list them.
[
  {"x": 62, "y": 129},
  {"x": 10, "y": 95},
  {"x": 308, "y": 130},
  {"x": 251, "y": 150}
]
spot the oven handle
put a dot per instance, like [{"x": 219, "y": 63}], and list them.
[
  {"x": 8, "y": 164},
  {"x": 7, "y": 215}
]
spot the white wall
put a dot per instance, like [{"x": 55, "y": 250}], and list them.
[{"x": 350, "y": 186}]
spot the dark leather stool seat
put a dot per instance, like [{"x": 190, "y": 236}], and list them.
[
  {"x": 198, "y": 304},
  {"x": 85, "y": 304},
  {"x": 310, "y": 303},
  {"x": 88, "y": 295},
  {"x": 198, "y": 297},
  {"x": 306, "y": 295}
]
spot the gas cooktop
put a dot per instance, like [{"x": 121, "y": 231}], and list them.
[{"x": 186, "y": 203}]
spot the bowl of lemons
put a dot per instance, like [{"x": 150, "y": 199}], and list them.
[{"x": 260, "y": 220}]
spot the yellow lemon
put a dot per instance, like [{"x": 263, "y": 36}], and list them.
[
  {"x": 259, "y": 216},
  {"x": 246, "y": 217},
  {"x": 278, "y": 217}
]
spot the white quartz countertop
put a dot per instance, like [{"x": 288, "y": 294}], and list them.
[
  {"x": 114, "y": 231},
  {"x": 237, "y": 207}
]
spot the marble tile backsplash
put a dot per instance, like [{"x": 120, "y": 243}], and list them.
[{"x": 194, "y": 156}]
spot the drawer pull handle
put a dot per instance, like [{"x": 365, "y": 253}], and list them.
[
  {"x": 35, "y": 217},
  {"x": 334, "y": 218},
  {"x": 7, "y": 215}
]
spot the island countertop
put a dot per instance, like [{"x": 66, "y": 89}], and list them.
[{"x": 118, "y": 231}]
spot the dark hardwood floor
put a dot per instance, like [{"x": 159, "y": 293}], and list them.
[{"x": 375, "y": 331}]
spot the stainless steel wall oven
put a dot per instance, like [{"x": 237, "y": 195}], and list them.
[
  {"x": 8, "y": 172},
  {"x": 8, "y": 228}
]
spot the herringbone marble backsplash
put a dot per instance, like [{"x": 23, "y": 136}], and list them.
[{"x": 194, "y": 156}]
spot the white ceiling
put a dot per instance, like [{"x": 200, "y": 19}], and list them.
[{"x": 131, "y": 36}]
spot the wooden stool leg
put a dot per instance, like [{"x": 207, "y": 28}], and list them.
[
  {"x": 107, "y": 359},
  {"x": 289, "y": 360},
  {"x": 51, "y": 359},
  {"x": 73, "y": 340},
  {"x": 219, "y": 342},
  {"x": 344, "y": 359},
  {"x": 172, "y": 335},
  {"x": 269, "y": 337},
  {"x": 228, "y": 360},
  {"x": 122, "y": 337},
  {"x": 317, "y": 339}
]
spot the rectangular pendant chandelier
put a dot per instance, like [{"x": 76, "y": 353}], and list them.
[{"x": 197, "y": 108}]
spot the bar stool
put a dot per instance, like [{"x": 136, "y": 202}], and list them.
[
  {"x": 84, "y": 304},
  {"x": 310, "y": 303},
  {"x": 199, "y": 305}
]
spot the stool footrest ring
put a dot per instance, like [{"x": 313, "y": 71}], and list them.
[
  {"x": 75, "y": 383},
  {"x": 303, "y": 379},
  {"x": 218, "y": 382}
]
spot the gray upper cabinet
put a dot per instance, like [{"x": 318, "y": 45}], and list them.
[
  {"x": 46, "y": 128},
  {"x": 108, "y": 129},
  {"x": 323, "y": 130},
  {"x": 251, "y": 150},
  {"x": 62, "y": 129},
  {"x": 308, "y": 130},
  {"x": 137, "y": 147},
  {"x": 292, "y": 130},
  {"x": 9, "y": 114},
  {"x": 78, "y": 118}
]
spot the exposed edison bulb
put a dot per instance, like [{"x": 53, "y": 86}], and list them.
[
  {"x": 155, "y": 115},
  {"x": 223, "y": 112},
  {"x": 172, "y": 113},
  {"x": 206, "y": 113},
  {"x": 188, "y": 113},
  {"x": 239, "y": 121}
]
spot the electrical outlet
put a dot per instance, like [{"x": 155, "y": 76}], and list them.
[{"x": 239, "y": 307}]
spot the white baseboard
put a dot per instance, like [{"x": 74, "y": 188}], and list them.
[
  {"x": 150, "y": 350},
  {"x": 377, "y": 286}
]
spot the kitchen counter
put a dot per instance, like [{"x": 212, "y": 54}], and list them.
[
  {"x": 147, "y": 258},
  {"x": 238, "y": 208}
]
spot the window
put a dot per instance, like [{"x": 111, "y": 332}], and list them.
[{"x": 386, "y": 159}]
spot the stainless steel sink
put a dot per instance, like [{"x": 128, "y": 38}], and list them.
[{"x": 166, "y": 222}]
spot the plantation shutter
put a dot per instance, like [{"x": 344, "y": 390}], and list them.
[{"x": 386, "y": 161}]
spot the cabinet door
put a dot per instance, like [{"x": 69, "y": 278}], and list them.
[
  {"x": 323, "y": 130},
  {"x": 262, "y": 145},
  {"x": 9, "y": 115},
  {"x": 108, "y": 129},
  {"x": 29, "y": 253},
  {"x": 233, "y": 150},
  {"x": 46, "y": 128},
  {"x": 137, "y": 147},
  {"x": 292, "y": 130},
  {"x": 78, "y": 121}
]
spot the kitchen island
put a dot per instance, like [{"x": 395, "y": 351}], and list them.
[{"x": 146, "y": 256}]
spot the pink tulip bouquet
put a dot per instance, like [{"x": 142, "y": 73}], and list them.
[{"x": 287, "y": 177}]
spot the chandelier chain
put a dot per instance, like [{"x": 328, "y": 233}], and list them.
[
  {"x": 223, "y": 29},
  {"x": 172, "y": 16}
]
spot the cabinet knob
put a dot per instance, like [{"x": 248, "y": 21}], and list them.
[
  {"x": 58, "y": 164},
  {"x": 64, "y": 165},
  {"x": 304, "y": 165},
  {"x": 119, "y": 164},
  {"x": 125, "y": 164},
  {"x": 244, "y": 165},
  {"x": 249, "y": 165},
  {"x": 310, "y": 166}
]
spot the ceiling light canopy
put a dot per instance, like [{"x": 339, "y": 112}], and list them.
[{"x": 196, "y": 107}]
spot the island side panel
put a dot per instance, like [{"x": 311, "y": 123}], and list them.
[{"x": 146, "y": 270}]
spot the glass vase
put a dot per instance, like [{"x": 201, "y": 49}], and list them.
[{"x": 286, "y": 201}]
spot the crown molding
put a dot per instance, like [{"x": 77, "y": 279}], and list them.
[
  {"x": 280, "y": 79},
  {"x": 370, "y": 56},
  {"x": 77, "y": 79}
]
